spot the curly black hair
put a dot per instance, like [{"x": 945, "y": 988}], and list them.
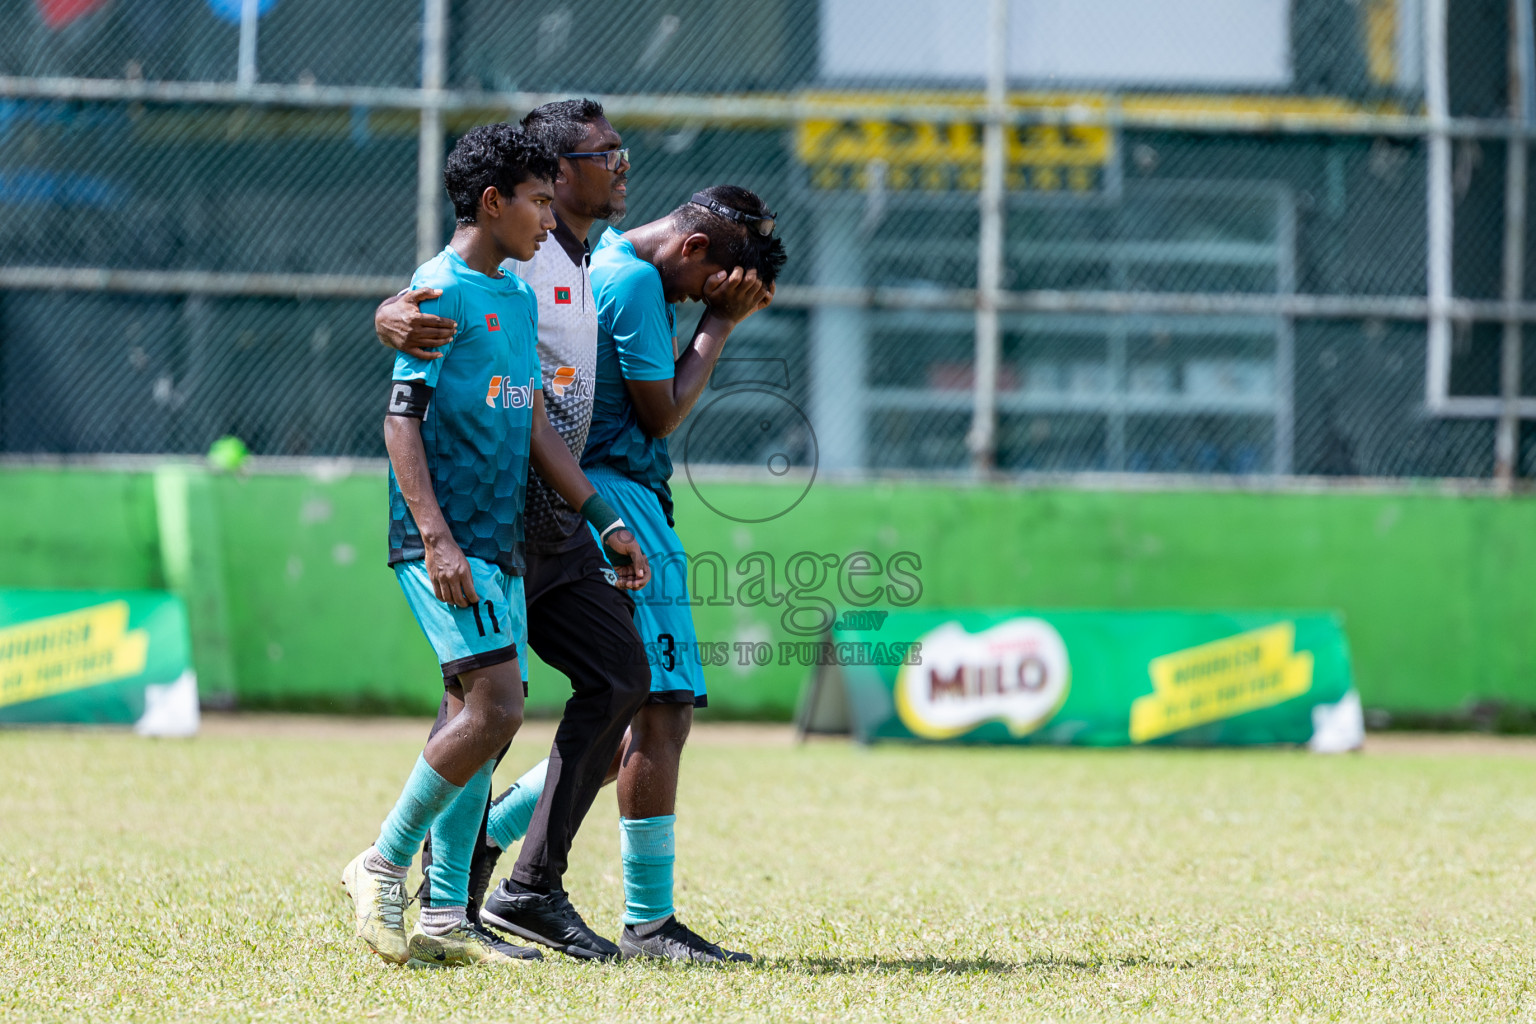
[
  {"x": 500, "y": 155},
  {"x": 562, "y": 125},
  {"x": 731, "y": 244}
]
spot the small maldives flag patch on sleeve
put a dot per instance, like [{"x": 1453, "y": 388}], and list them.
[
  {"x": 562, "y": 296},
  {"x": 491, "y": 323}
]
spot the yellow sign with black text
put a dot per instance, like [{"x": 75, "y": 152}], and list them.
[
  {"x": 71, "y": 651},
  {"x": 1215, "y": 681},
  {"x": 936, "y": 157}
]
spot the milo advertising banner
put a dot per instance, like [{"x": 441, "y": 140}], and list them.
[
  {"x": 97, "y": 657},
  {"x": 1090, "y": 678}
]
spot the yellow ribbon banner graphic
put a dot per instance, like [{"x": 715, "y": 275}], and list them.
[
  {"x": 67, "y": 652},
  {"x": 1218, "y": 680}
]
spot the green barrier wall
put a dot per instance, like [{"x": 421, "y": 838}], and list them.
[{"x": 1438, "y": 592}]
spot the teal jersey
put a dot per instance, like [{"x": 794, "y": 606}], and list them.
[
  {"x": 635, "y": 325},
  {"x": 479, "y": 421}
]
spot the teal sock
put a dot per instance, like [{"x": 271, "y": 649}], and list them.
[
  {"x": 425, "y": 795},
  {"x": 453, "y": 841},
  {"x": 513, "y": 810},
  {"x": 648, "y": 850}
]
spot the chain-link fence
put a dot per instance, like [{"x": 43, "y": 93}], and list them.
[{"x": 1276, "y": 237}]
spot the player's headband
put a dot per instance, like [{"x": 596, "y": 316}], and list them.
[{"x": 762, "y": 223}]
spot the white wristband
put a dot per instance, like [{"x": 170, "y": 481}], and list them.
[{"x": 617, "y": 524}]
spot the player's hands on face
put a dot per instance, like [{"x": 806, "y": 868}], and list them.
[
  {"x": 737, "y": 295},
  {"x": 628, "y": 560},
  {"x": 448, "y": 569},
  {"x": 402, "y": 325}
]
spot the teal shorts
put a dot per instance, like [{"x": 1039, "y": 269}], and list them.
[
  {"x": 663, "y": 613},
  {"x": 484, "y": 634}
]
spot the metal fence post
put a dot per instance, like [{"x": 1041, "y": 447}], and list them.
[
  {"x": 429, "y": 155},
  {"x": 1437, "y": 376},
  {"x": 250, "y": 14},
  {"x": 839, "y": 344},
  {"x": 989, "y": 257},
  {"x": 1285, "y": 341},
  {"x": 1507, "y": 438}
]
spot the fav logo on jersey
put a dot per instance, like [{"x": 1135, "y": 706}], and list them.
[
  {"x": 512, "y": 396},
  {"x": 562, "y": 296},
  {"x": 491, "y": 323},
  {"x": 564, "y": 376},
  {"x": 1016, "y": 672}
]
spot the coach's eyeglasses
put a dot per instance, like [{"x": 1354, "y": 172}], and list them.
[{"x": 612, "y": 158}]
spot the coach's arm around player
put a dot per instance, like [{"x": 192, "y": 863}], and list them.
[
  {"x": 660, "y": 406},
  {"x": 400, "y": 324}
]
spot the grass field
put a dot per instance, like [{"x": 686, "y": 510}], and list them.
[{"x": 197, "y": 880}]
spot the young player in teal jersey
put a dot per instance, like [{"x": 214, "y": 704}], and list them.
[
  {"x": 718, "y": 247},
  {"x": 461, "y": 431}
]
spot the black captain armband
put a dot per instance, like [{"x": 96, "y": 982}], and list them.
[{"x": 409, "y": 398}]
